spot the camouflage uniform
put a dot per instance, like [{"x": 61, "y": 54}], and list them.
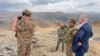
[
  {"x": 24, "y": 37},
  {"x": 69, "y": 37},
  {"x": 61, "y": 33}
]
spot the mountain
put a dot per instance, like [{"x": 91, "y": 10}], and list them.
[
  {"x": 52, "y": 16},
  {"x": 47, "y": 18}
]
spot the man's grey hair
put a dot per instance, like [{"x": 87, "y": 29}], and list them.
[{"x": 84, "y": 16}]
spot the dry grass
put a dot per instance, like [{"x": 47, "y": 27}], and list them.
[{"x": 47, "y": 42}]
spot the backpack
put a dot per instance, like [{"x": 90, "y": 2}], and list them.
[{"x": 19, "y": 18}]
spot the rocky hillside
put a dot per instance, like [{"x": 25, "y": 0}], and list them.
[
  {"x": 96, "y": 23},
  {"x": 44, "y": 43}
]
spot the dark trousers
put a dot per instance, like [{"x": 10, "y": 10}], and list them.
[
  {"x": 79, "y": 53},
  {"x": 58, "y": 44}
]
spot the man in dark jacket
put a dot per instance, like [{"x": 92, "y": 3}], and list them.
[{"x": 80, "y": 43}]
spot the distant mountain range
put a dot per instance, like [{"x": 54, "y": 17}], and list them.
[
  {"x": 45, "y": 18},
  {"x": 64, "y": 16}
]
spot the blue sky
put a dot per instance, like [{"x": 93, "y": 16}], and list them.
[{"x": 51, "y": 5}]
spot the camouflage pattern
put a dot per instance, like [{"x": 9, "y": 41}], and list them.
[
  {"x": 69, "y": 37},
  {"x": 61, "y": 34},
  {"x": 27, "y": 12},
  {"x": 25, "y": 33}
]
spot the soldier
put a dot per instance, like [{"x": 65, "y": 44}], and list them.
[
  {"x": 61, "y": 33},
  {"x": 25, "y": 31},
  {"x": 69, "y": 36}
]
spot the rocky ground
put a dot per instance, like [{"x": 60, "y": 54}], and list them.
[{"x": 46, "y": 39}]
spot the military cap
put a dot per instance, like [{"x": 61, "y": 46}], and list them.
[
  {"x": 27, "y": 12},
  {"x": 72, "y": 20}
]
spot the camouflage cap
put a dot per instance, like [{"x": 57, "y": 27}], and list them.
[
  {"x": 27, "y": 12},
  {"x": 72, "y": 20}
]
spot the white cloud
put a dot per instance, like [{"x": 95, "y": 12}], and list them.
[
  {"x": 69, "y": 6},
  {"x": 56, "y": 5}
]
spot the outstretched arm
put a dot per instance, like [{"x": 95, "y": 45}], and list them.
[{"x": 14, "y": 24}]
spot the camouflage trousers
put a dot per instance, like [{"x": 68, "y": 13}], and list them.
[
  {"x": 68, "y": 50},
  {"x": 58, "y": 44},
  {"x": 24, "y": 49}
]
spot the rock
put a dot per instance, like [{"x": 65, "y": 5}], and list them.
[
  {"x": 7, "y": 50},
  {"x": 44, "y": 43}
]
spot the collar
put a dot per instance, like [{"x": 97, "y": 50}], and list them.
[{"x": 82, "y": 24}]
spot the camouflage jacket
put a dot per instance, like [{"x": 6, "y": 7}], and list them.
[
  {"x": 69, "y": 34},
  {"x": 61, "y": 33},
  {"x": 24, "y": 30}
]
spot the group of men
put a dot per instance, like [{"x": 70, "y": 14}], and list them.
[{"x": 76, "y": 39}]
